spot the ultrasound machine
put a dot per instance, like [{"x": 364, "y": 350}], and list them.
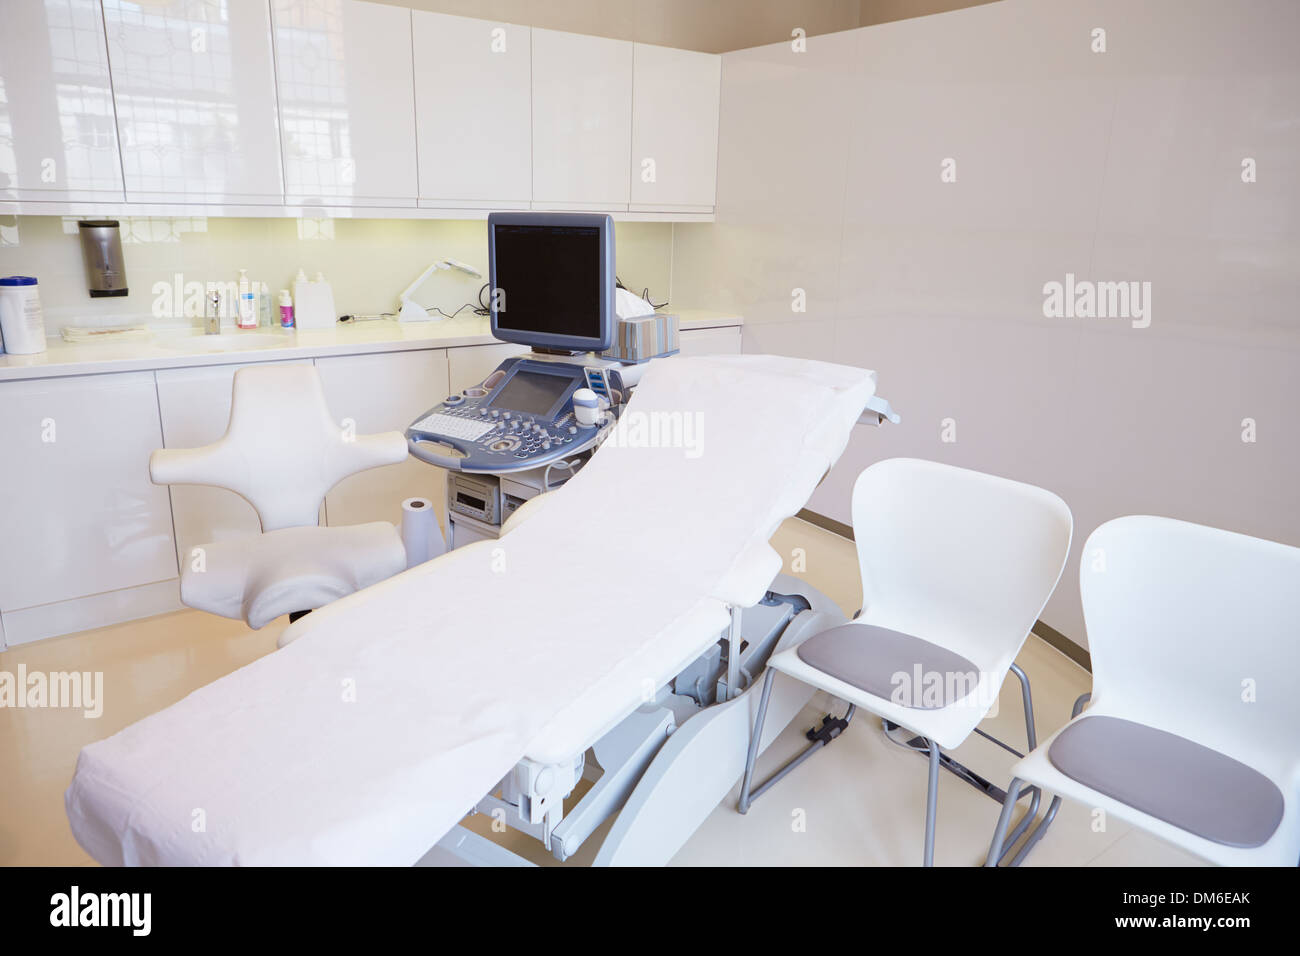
[{"x": 531, "y": 423}]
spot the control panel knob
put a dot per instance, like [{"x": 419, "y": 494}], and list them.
[
  {"x": 536, "y": 427},
  {"x": 482, "y": 411},
  {"x": 546, "y": 444},
  {"x": 573, "y": 429},
  {"x": 505, "y": 414},
  {"x": 495, "y": 413}
]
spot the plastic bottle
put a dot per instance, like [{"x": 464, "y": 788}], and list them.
[
  {"x": 301, "y": 299},
  {"x": 325, "y": 301},
  {"x": 246, "y": 317},
  {"x": 264, "y": 306},
  {"x": 286, "y": 309}
]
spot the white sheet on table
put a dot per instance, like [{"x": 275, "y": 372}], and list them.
[{"x": 457, "y": 664}]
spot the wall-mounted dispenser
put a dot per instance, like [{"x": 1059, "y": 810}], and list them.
[{"x": 101, "y": 250}]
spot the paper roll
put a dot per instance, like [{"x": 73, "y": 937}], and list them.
[{"x": 420, "y": 532}]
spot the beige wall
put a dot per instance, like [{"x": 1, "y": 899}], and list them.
[
  {"x": 367, "y": 261},
  {"x": 1115, "y": 166}
]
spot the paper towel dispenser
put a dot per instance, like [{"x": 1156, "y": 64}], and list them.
[{"x": 101, "y": 250}]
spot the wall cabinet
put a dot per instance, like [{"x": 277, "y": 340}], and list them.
[
  {"x": 194, "y": 88},
  {"x": 381, "y": 393},
  {"x": 473, "y": 111},
  {"x": 79, "y": 515},
  {"x": 57, "y": 137},
  {"x": 344, "y": 103},
  {"x": 674, "y": 129},
  {"x": 582, "y": 121},
  {"x": 347, "y": 102}
]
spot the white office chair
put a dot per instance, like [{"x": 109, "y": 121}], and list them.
[
  {"x": 1193, "y": 730},
  {"x": 282, "y": 452},
  {"x": 956, "y": 567}
]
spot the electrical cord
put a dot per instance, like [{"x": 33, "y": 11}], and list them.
[
  {"x": 481, "y": 309},
  {"x": 569, "y": 466},
  {"x": 452, "y": 315},
  {"x": 645, "y": 294},
  {"x": 889, "y": 735}
]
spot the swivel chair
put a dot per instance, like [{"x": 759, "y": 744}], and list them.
[{"x": 282, "y": 452}]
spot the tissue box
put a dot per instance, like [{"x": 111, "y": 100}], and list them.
[{"x": 643, "y": 337}]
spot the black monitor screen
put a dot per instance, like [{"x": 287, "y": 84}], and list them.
[
  {"x": 533, "y": 393},
  {"x": 549, "y": 278}
]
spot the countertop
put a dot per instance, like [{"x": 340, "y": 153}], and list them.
[{"x": 179, "y": 347}]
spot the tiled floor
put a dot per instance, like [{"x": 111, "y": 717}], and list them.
[{"x": 862, "y": 799}]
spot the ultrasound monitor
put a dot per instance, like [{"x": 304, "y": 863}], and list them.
[{"x": 552, "y": 280}]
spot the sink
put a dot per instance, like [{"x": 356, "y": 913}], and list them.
[{"x": 225, "y": 342}]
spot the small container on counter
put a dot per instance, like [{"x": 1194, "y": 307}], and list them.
[
  {"x": 286, "y": 309},
  {"x": 264, "y": 314},
  {"x": 21, "y": 322}
]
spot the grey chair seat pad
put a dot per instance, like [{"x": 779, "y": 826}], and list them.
[
  {"x": 906, "y": 670},
  {"x": 1171, "y": 778}
]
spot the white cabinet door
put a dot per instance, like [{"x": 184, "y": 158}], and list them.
[
  {"x": 722, "y": 341},
  {"x": 57, "y": 137},
  {"x": 195, "y": 407},
  {"x": 674, "y": 129},
  {"x": 473, "y": 112},
  {"x": 582, "y": 121},
  {"x": 195, "y": 91},
  {"x": 384, "y": 392},
  {"x": 79, "y": 515},
  {"x": 472, "y": 364},
  {"x": 347, "y": 102}
]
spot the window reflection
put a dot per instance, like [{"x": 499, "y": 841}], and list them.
[
  {"x": 312, "y": 81},
  {"x": 174, "y": 76},
  {"x": 142, "y": 229},
  {"x": 53, "y": 65},
  {"x": 315, "y": 228}
]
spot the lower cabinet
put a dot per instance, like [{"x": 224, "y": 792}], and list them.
[
  {"x": 79, "y": 517},
  {"x": 719, "y": 341},
  {"x": 86, "y": 539},
  {"x": 384, "y": 392}
]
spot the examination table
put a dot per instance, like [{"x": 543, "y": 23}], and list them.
[{"x": 388, "y": 714}]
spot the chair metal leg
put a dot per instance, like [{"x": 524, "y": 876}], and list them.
[
  {"x": 754, "y": 739},
  {"x": 1009, "y": 798},
  {"x": 931, "y": 803},
  {"x": 1004, "y": 819},
  {"x": 1038, "y": 832},
  {"x": 819, "y": 737},
  {"x": 1041, "y": 829},
  {"x": 1031, "y": 737}
]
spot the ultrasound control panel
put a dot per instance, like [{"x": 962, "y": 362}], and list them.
[{"x": 520, "y": 417}]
